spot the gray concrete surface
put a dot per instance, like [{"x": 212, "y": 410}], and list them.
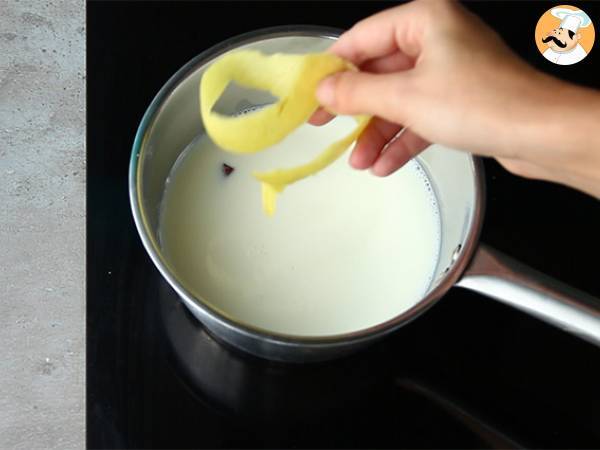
[{"x": 42, "y": 224}]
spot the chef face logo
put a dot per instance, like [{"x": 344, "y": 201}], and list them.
[
  {"x": 561, "y": 40},
  {"x": 564, "y": 35}
]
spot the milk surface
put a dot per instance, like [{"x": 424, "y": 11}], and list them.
[{"x": 344, "y": 251}]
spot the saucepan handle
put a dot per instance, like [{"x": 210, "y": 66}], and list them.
[{"x": 500, "y": 277}]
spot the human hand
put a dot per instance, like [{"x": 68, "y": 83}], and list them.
[{"x": 435, "y": 71}]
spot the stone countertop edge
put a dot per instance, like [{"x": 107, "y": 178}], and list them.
[{"x": 42, "y": 224}]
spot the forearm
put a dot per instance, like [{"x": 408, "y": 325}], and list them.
[{"x": 559, "y": 131}]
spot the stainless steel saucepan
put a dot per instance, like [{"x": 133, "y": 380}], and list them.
[{"x": 172, "y": 121}]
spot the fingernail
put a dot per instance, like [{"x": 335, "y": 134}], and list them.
[
  {"x": 375, "y": 172},
  {"x": 326, "y": 91},
  {"x": 356, "y": 164},
  {"x": 379, "y": 170}
]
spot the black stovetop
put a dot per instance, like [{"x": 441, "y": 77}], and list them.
[{"x": 469, "y": 373}]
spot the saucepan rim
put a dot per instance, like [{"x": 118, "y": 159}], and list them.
[{"x": 462, "y": 256}]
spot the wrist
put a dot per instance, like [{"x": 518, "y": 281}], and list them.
[{"x": 559, "y": 131}]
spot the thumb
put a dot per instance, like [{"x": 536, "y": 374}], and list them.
[{"x": 364, "y": 93}]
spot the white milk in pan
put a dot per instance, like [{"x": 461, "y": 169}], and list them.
[{"x": 344, "y": 251}]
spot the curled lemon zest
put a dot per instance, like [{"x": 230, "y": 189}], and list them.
[{"x": 291, "y": 78}]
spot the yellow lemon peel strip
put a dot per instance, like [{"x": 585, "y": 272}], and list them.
[{"x": 293, "y": 79}]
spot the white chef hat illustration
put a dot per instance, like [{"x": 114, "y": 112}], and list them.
[{"x": 571, "y": 19}]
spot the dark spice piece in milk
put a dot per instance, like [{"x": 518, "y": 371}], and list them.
[{"x": 227, "y": 169}]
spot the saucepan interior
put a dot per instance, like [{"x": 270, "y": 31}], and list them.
[{"x": 173, "y": 121}]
